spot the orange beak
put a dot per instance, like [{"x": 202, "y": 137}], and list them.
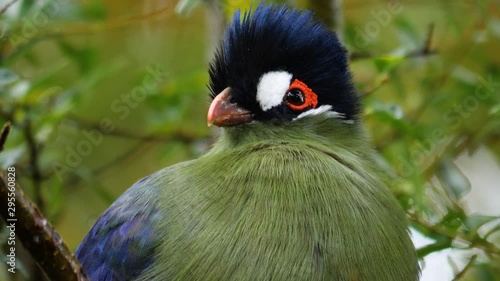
[{"x": 223, "y": 113}]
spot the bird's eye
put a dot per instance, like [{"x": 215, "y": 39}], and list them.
[
  {"x": 295, "y": 97},
  {"x": 300, "y": 97}
]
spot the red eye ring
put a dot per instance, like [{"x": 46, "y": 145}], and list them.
[{"x": 310, "y": 98}]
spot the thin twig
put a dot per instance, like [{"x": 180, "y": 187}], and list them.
[
  {"x": 6, "y": 7},
  {"x": 86, "y": 29},
  {"x": 439, "y": 231},
  {"x": 421, "y": 52},
  {"x": 4, "y": 134},
  {"x": 465, "y": 269},
  {"x": 430, "y": 35},
  {"x": 452, "y": 264},
  {"x": 427, "y": 48},
  {"x": 34, "y": 231},
  {"x": 73, "y": 181},
  {"x": 424, "y": 51},
  {"x": 34, "y": 155},
  {"x": 118, "y": 132},
  {"x": 434, "y": 247},
  {"x": 375, "y": 87},
  {"x": 455, "y": 147}
]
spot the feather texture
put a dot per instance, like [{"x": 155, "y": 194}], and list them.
[
  {"x": 293, "y": 201},
  {"x": 283, "y": 198},
  {"x": 277, "y": 38},
  {"x": 120, "y": 246}
]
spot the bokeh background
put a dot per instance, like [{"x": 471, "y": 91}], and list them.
[{"x": 102, "y": 93}]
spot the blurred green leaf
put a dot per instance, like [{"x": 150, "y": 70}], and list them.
[
  {"x": 85, "y": 57},
  {"x": 54, "y": 199},
  {"x": 390, "y": 114},
  {"x": 465, "y": 75},
  {"x": 26, "y": 6},
  {"x": 494, "y": 27},
  {"x": 94, "y": 10},
  {"x": 453, "y": 179},
  {"x": 11, "y": 156},
  {"x": 387, "y": 63},
  {"x": 473, "y": 222},
  {"x": 452, "y": 220},
  {"x": 390, "y": 109},
  {"x": 410, "y": 37},
  {"x": 440, "y": 244},
  {"x": 7, "y": 77},
  {"x": 63, "y": 59},
  {"x": 20, "y": 90},
  {"x": 495, "y": 110},
  {"x": 185, "y": 7}
]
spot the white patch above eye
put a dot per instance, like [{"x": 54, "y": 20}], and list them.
[{"x": 272, "y": 87}]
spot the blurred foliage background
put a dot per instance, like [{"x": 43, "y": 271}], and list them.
[{"x": 102, "y": 93}]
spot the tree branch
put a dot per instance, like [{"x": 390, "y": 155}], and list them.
[
  {"x": 439, "y": 245},
  {"x": 462, "y": 273},
  {"x": 4, "y": 134},
  {"x": 440, "y": 231},
  {"x": 34, "y": 231},
  {"x": 427, "y": 48},
  {"x": 36, "y": 174},
  {"x": 86, "y": 29},
  {"x": 373, "y": 88},
  {"x": 118, "y": 132},
  {"x": 424, "y": 51},
  {"x": 6, "y": 7}
]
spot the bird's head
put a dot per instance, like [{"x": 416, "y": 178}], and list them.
[{"x": 279, "y": 64}]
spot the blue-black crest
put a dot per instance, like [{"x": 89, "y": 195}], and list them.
[{"x": 278, "y": 38}]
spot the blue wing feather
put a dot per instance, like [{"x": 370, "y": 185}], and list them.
[{"x": 120, "y": 246}]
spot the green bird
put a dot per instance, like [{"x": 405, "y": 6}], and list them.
[{"x": 291, "y": 189}]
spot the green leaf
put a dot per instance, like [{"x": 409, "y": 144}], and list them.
[
  {"x": 452, "y": 220},
  {"x": 84, "y": 57},
  {"x": 185, "y": 7},
  {"x": 465, "y": 75},
  {"x": 493, "y": 230},
  {"x": 453, "y": 180},
  {"x": 495, "y": 110},
  {"x": 11, "y": 156},
  {"x": 389, "y": 113},
  {"x": 392, "y": 109},
  {"x": 409, "y": 35},
  {"x": 387, "y": 63},
  {"x": 20, "y": 90},
  {"x": 26, "y": 6},
  {"x": 473, "y": 222},
  {"x": 7, "y": 77},
  {"x": 94, "y": 10},
  {"x": 440, "y": 244},
  {"x": 494, "y": 27},
  {"x": 54, "y": 196}
]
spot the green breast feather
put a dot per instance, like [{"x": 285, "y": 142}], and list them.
[{"x": 269, "y": 205}]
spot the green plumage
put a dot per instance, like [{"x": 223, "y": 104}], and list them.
[
  {"x": 291, "y": 190},
  {"x": 298, "y": 200}
]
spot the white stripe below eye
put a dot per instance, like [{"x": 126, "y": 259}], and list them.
[
  {"x": 324, "y": 109},
  {"x": 272, "y": 88}
]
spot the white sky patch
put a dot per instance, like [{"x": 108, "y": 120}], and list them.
[{"x": 272, "y": 88}]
